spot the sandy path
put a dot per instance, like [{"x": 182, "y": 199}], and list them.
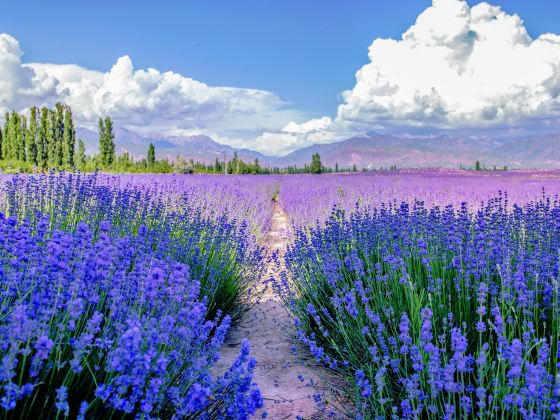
[{"x": 288, "y": 379}]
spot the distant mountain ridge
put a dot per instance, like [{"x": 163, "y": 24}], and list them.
[
  {"x": 200, "y": 148},
  {"x": 370, "y": 150}
]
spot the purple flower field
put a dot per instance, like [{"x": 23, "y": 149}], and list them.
[
  {"x": 116, "y": 298},
  {"x": 433, "y": 294},
  {"x": 308, "y": 198}
]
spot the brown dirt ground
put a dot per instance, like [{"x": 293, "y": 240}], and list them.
[{"x": 287, "y": 379}]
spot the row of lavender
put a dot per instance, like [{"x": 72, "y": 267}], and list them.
[
  {"x": 242, "y": 198},
  {"x": 434, "y": 312},
  {"x": 116, "y": 295},
  {"x": 308, "y": 199}
]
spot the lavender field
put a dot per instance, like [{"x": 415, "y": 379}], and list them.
[{"x": 423, "y": 293}]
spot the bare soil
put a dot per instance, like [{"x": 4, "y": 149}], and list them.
[{"x": 286, "y": 374}]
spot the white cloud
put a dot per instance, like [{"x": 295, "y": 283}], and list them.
[
  {"x": 277, "y": 144},
  {"x": 457, "y": 67},
  {"x": 19, "y": 85},
  {"x": 141, "y": 98},
  {"x": 310, "y": 126},
  {"x": 295, "y": 136},
  {"x": 145, "y": 101}
]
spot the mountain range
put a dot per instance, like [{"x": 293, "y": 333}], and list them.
[{"x": 371, "y": 150}]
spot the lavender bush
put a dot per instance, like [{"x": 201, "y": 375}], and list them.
[
  {"x": 240, "y": 197},
  {"x": 218, "y": 248},
  {"x": 308, "y": 198},
  {"x": 115, "y": 303},
  {"x": 434, "y": 312}
]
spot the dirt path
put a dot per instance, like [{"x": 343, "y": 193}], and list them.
[{"x": 286, "y": 374}]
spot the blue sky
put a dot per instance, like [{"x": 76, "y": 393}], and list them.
[
  {"x": 305, "y": 51},
  {"x": 279, "y": 75}
]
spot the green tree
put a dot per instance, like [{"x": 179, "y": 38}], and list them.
[
  {"x": 59, "y": 135},
  {"x": 17, "y": 137},
  {"x": 31, "y": 140},
  {"x": 125, "y": 160},
  {"x": 81, "y": 154},
  {"x": 102, "y": 141},
  {"x": 477, "y": 166},
  {"x": 1, "y": 142},
  {"x": 22, "y": 138},
  {"x": 235, "y": 163},
  {"x": 151, "y": 158},
  {"x": 111, "y": 153},
  {"x": 6, "y": 139},
  {"x": 106, "y": 142},
  {"x": 316, "y": 167},
  {"x": 52, "y": 138},
  {"x": 110, "y": 142},
  {"x": 43, "y": 139},
  {"x": 69, "y": 138}
]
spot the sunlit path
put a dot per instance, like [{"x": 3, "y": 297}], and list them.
[{"x": 286, "y": 375}]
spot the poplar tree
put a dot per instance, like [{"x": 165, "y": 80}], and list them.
[
  {"x": 17, "y": 138},
  {"x": 316, "y": 167},
  {"x": 69, "y": 138},
  {"x": 22, "y": 139},
  {"x": 59, "y": 134},
  {"x": 235, "y": 163},
  {"x": 110, "y": 141},
  {"x": 102, "y": 141},
  {"x": 6, "y": 140},
  {"x": 106, "y": 141},
  {"x": 51, "y": 137},
  {"x": 81, "y": 153},
  {"x": 43, "y": 139},
  {"x": 1, "y": 142},
  {"x": 151, "y": 159},
  {"x": 31, "y": 140}
]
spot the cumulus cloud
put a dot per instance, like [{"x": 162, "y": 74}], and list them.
[
  {"x": 310, "y": 126},
  {"x": 150, "y": 99},
  {"x": 146, "y": 101},
  {"x": 456, "y": 67},
  {"x": 20, "y": 85},
  {"x": 295, "y": 136}
]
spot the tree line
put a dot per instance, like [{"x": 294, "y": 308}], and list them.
[
  {"x": 478, "y": 166},
  {"x": 236, "y": 166},
  {"x": 45, "y": 139}
]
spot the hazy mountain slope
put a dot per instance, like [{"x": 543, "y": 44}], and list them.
[
  {"x": 365, "y": 151},
  {"x": 199, "y": 148}
]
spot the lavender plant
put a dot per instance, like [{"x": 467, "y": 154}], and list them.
[
  {"x": 308, "y": 198},
  {"x": 434, "y": 312},
  {"x": 219, "y": 249},
  {"x": 115, "y": 301},
  {"x": 97, "y": 325}
]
